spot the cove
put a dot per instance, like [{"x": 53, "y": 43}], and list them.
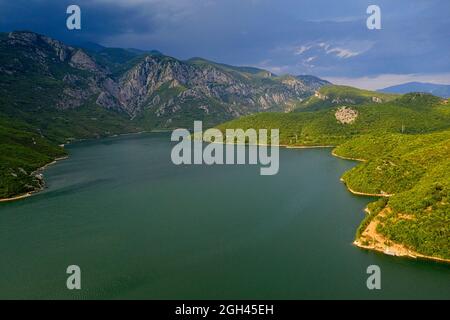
[{"x": 141, "y": 227}]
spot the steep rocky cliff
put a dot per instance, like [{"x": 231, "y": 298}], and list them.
[{"x": 149, "y": 88}]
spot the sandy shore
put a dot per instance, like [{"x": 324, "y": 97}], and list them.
[
  {"x": 370, "y": 239},
  {"x": 347, "y": 158},
  {"x": 304, "y": 147},
  {"x": 287, "y": 146},
  {"x": 387, "y": 195},
  {"x": 26, "y": 195},
  {"x": 369, "y": 194},
  {"x": 29, "y": 194}
]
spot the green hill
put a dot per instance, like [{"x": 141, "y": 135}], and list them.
[
  {"x": 247, "y": 72},
  {"x": 426, "y": 114},
  {"x": 416, "y": 170},
  {"x": 332, "y": 95}
]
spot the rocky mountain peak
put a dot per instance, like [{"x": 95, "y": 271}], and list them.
[
  {"x": 40, "y": 43},
  {"x": 138, "y": 82},
  {"x": 79, "y": 59}
]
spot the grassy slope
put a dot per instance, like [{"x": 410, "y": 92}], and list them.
[
  {"x": 407, "y": 144},
  {"x": 322, "y": 128},
  {"x": 341, "y": 95}
]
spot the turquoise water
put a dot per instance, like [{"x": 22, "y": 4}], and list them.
[{"x": 140, "y": 227}]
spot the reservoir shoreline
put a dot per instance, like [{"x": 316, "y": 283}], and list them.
[
  {"x": 37, "y": 190},
  {"x": 357, "y": 242},
  {"x": 45, "y": 166},
  {"x": 370, "y": 239},
  {"x": 118, "y": 189}
]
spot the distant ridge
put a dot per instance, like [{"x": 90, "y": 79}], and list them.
[{"x": 440, "y": 90}]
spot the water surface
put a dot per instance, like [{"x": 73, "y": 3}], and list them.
[{"x": 140, "y": 227}]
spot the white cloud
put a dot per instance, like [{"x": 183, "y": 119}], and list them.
[
  {"x": 340, "y": 50},
  {"x": 301, "y": 50},
  {"x": 324, "y": 45},
  {"x": 343, "y": 53}
]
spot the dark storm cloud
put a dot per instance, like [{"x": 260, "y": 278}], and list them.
[
  {"x": 99, "y": 19},
  {"x": 327, "y": 38}
]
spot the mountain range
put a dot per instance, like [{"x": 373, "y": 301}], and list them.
[
  {"x": 440, "y": 90},
  {"x": 52, "y": 93},
  {"x": 153, "y": 90}
]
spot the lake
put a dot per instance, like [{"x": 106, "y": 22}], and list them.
[{"x": 140, "y": 227}]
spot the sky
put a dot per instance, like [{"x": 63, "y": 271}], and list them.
[{"x": 326, "y": 38}]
